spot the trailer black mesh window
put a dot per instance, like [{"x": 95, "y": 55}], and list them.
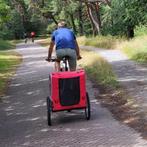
[{"x": 69, "y": 91}]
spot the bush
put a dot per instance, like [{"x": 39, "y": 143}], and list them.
[
  {"x": 51, "y": 27},
  {"x": 5, "y": 45},
  {"x": 141, "y": 30},
  {"x": 136, "y": 49},
  {"x": 6, "y": 34}
]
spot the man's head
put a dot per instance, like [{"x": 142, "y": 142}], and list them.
[{"x": 61, "y": 24}]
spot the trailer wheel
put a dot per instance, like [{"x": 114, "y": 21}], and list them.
[
  {"x": 49, "y": 109},
  {"x": 87, "y": 109}
]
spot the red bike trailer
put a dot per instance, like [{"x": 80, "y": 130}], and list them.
[{"x": 67, "y": 92}]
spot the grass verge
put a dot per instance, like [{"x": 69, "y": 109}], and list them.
[
  {"x": 136, "y": 49},
  {"x": 8, "y": 63},
  {"x": 5, "y": 45},
  {"x": 106, "y": 42}
]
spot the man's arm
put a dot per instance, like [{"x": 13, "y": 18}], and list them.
[
  {"x": 50, "y": 50},
  {"x": 77, "y": 50}
]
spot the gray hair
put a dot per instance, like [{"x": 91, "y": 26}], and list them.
[{"x": 62, "y": 24}]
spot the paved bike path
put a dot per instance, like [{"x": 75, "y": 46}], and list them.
[{"x": 23, "y": 113}]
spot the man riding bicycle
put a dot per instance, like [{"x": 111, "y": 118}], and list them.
[{"x": 66, "y": 46}]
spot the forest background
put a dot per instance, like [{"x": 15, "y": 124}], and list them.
[{"x": 85, "y": 17}]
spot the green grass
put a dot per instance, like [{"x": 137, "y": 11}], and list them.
[
  {"x": 98, "y": 69},
  {"x": 141, "y": 30},
  {"x": 8, "y": 63},
  {"x": 5, "y": 45},
  {"x": 106, "y": 42},
  {"x": 136, "y": 49}
]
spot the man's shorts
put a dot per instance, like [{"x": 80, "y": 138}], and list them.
[{"x": 71, "y": 53}]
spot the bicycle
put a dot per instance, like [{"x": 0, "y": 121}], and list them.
[
  {"x": 26, "y": 39},
  {"x": 63, "y": 98},
  {"x": 63, "y": 63}
]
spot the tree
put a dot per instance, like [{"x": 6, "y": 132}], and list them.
[
  {"x": 4, "y": 18},
  {"x": 4, "y": 12},
  {"x": 128, "y": 14},
  {"x": 115, "y": 17},
  {"x": 80, "y": 18}
]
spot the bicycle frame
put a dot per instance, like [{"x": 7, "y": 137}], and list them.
[
  {"x": 65, "y": 66},
  {"x": 63, "y": 63}
]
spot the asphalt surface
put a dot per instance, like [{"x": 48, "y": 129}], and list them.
[{"x": 23, "y": 121}]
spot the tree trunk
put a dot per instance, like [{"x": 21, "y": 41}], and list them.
[
  {"x": 49, "y": 15},
  {"x": 92, "y": 24},
  {"x": 73, "y": 23},
  {"x": 130, "y": 32},
  {"x": 55, "y": 21},
  {"x": 94, "y": 16},
  {"x": 98, "y": 14},
  {"x": 42, "y": 3},
  {"x": 80, "y": 19}
]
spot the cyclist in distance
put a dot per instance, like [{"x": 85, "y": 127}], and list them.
[
  {"x": 26, "y": 37},
  {"x": 32, "y": 34},
  {"x": 65, "y": 44}
]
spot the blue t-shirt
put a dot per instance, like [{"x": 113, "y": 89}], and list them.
[{"x": 64, "y": 38}]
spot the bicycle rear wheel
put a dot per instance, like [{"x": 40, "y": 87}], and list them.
[
  {"x": 87, "y": 109},
  {"x": 49, "y": 109}
]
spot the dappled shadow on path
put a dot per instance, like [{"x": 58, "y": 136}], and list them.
[{"x": 133, "y": 77}]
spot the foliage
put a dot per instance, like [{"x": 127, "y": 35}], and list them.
[
  {"x": 123, "y": 15},
  {"x": 44, "y": 42},
  {"x": 118, "y": 18},
  {"x": 22, "y": 16},
  {"x": 4, "y": 12},
  {"x": 51, "y": 27},
  {"x": 8, "y": 61},
  {"x": 141, "y": 30}
]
